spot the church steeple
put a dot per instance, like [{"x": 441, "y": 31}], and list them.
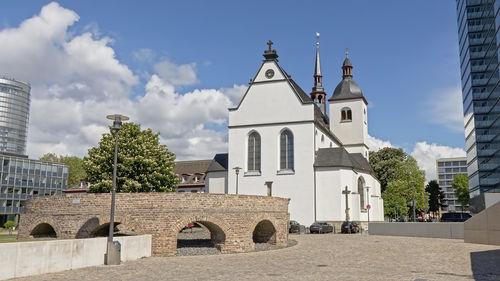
[
  {"x": 270, "y": 54},
  {"x": 346, "y": 66},
  {"x": 318, "y": 94}
]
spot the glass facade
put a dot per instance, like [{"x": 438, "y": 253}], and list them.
[
  {"x": 478, "y": 25},
  {"x": 23, "y": 178},
  {"x": 14, "y": 114},
  {"x": 446, "y": 171}
]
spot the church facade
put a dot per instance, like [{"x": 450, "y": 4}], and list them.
[{"x": 283, "y": 143}]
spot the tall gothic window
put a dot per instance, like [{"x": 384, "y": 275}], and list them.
[
  {"x": 286, "y": 150},
  {"x": 254, "y": 152},
  {"x": 361, "y": 191}
]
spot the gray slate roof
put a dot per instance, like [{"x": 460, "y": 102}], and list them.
[
  {"x": 339, "y": 157},
  {"x": 346, "y": 89},
  {"x": 219, "y": 163}
]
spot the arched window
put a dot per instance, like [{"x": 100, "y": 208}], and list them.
[
  {"x": 346, "y": 114},
  {"x": 254, "y": 152},
  {"x": 361, "y": 191},
  {"x": 286, "y": 150}
]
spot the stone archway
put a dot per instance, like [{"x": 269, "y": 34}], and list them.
[
  {"x": 43, "y": 230},
  {"x": 86, "y": 230},
  {"x": 264, "y": 232},
  {"x": 204, "y": 234}
]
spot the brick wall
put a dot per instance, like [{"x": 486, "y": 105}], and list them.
[{"x": 163, "y": 215}]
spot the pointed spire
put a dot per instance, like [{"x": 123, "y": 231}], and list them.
[
  {"x": 318, "y": 78},
  {"x": 346, "y": 66},
  {"x": 318, "y": 94}
]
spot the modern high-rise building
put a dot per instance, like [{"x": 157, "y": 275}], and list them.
[
  {"x": 446, "y": 169},
  {"x": 478, "y": 24},
  {"x": 14, "y": 114},
  {"x": 21, "y": 178}
]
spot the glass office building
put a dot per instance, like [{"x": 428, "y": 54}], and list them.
[
  {"x": 446, "y": 169},
  {"x": 14, "y": 114},
  {"x": 478, "y": 25},
  {"x": 23, "y": 178}
]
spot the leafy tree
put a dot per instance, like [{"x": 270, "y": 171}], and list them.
[
  {"x": 395, "y": 203},
  {"x": 461, "y": 186},
  {"x": 406, "y": 177},
  {"x": 384, "y": 163},
  {"x": 9, "y": 225},
  {"x": 436, "y": 196},
  {"x": 75, "y": 172},
  {"x": 143, "y": 163}
]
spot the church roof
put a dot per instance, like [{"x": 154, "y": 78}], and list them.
[
  {"x": 347, "y": 89},
  {"x": 219, "y": 163},
  {"x": 339, "y": 157}
]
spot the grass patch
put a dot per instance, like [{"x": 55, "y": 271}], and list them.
[{"x": 10, "y": 239}]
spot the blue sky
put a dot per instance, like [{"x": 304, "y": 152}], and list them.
[{"x": 405, "y": 57}]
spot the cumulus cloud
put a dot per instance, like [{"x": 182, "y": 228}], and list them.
[
  {"x": 77, "y": 80},
  {"x": 445, "y": 108},
  {"x": 375, "y": 144},
  {"x": 176, "y": 75},
  {"x": 426, "y": 155}
]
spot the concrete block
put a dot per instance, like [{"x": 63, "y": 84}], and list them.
[
  {"x": 8, "y": 258},
  {"x": 78, "y": 253},
  {"x": 30, "y": 258},
  {"x": 476, "y": 236},
  {"x": 493, "y": 237},
  {"x": 58, "y": 255},
  {"x": 94, "y": 250}
]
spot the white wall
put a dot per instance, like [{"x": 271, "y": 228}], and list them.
[
  {"x": 354, "y": 132},
  {"x": 38, "y": 257},
  {"x": 216, "y": 182},
  {"x": 297, "y": 186},
  {"x": 330, "y": 182}
]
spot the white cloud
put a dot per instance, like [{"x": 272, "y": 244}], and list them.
[
  {"x": 427, "y": 154},
  {"x": 77, "y": 80},
  {"x": 375, "y": 144},
  {"x": 176, "y": 75},
  {"x": 445, "y": 108}
]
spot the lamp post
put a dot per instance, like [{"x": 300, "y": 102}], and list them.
[
  {"x": 237, "y": 171},
  {"x": 414, "y": 213},
  {"x": 117, "y": 123}
]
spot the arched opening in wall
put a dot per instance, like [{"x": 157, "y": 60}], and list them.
[
  {"x": 264, "y": 232},
  {"x": 43, "y": 230},
  {"x": 118, "y": 230},
  {"x": 200, "y": 238},
  {"x": 86, "y": 230}
]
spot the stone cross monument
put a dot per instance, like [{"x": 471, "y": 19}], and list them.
[{"x": 346, "y": 192}]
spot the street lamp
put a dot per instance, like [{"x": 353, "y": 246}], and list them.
[
  {"x": 110, "y": 258},
  {"x": 237, "y": 171}
]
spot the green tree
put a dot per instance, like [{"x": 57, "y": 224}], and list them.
[
  {"x": 461, "y": 186},
  {"x": 143, "y": 163},
  {"x": 395, "y": 204},
  {"x": 9, "y": 225},
  {"x": 75, "y": 169},
  {"x": 384, "y": 163},
  {"x": 406, "y": 178},
  {"x": 436, "y": 196}
]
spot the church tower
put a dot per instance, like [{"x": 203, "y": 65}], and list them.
[
  {"x": 318, "y": 94},
  {"x": 348, "y": 113}
]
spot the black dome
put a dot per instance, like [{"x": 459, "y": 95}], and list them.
[{"x": 347, "y": 88}]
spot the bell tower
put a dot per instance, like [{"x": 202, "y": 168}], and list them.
[{"x": 348, "y": 112}]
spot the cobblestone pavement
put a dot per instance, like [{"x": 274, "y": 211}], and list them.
[{"x": 316, "y": 257}]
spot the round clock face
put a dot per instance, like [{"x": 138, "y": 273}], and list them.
[{"x": 269, "y": 73}]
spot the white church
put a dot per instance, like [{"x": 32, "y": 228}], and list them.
[{"x": 282, "y": 143}]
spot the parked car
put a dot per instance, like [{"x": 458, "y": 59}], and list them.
[
  {"x": 294, "y": 227},
  {"x": 352, "y": 225},
  {"x": 320, "y": 227},
  {"x": 455, "y": 217}
]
